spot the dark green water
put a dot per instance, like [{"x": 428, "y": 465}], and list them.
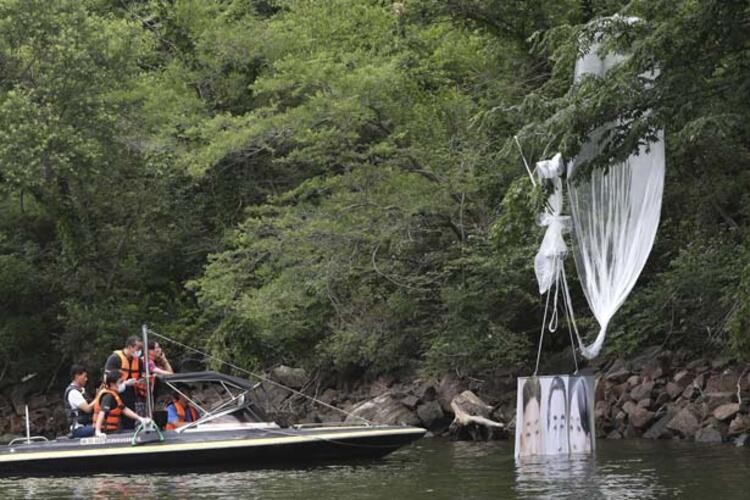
[{"x": 438, "y": 469}]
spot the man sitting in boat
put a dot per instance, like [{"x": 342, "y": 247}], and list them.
[
  {"x": 77, "y": 408},
  {"x": 109, "y": 407},
  {"x": 127, "y": 362},
  {"x": 180, "y": 412}
]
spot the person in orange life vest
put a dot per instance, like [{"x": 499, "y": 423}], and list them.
[
  {"x": 127, "y": 362},
  {"x": 77, "y": 408},
  {"x": 109, "y": 408},
  {"x": 180, "y": 412}
]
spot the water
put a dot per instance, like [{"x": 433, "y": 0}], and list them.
[{"x": 436, "y": 469}]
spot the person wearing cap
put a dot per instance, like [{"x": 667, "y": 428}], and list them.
[{"x": 109, "y": 408}]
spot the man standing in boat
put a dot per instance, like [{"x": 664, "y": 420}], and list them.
[
  {"x": 109, "y": 408},
  {"x": 77, "y": 408},
  {"x": 126, "y": 362}
]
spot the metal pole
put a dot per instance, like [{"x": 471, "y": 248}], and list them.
[
  {"x": 149, "y": 407},
  {"x": 28, "y": 429}
]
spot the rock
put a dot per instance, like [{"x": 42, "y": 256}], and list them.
[
  {"x": 330, "y": 396},
  {"x": 660, "y": 430},
  {"x": 714, "y": 400},
  {"x": 726, "y": 382},
  {"x": 410, "y": 401},
  {"x": 685, "y": 423},
  {"x": 742, "y": 440},
  {"x": 384, "y": 409},
  {"x": 673, "y": 390},
  {"x": 426, "y": 390},
  {"x": 640, "y": 417},
  {"x": 643, "y": 391},
  {"x": 619, "y": 389},
  {"x": 726, "y": 411},
  {"x": 290, "y": 377},
  {"x": 647, "y": 357},
  {"x": 708, "y": 435},
  {"x": 431, "y": 414},
  {"x": 634, "y": 380},
  {"x": 448, "y": 389},
  {"x": 629, "y": 407},
  {"x": 662, "y": 399},
  {"x": 644, "y": 403},
  {"x": 614, "y": 435},
  {"x": 601, "y": 410},
  {"x": 739, "y": 424},
  {"x": 618, "y": 372},
  {"x": 699, "y": 365}
]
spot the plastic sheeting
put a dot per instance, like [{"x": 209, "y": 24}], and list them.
[
  {"x": 615, "y": 216},
  {"x": 553, "y": 250}
]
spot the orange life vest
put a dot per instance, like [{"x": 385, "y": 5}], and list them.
[
  {"x": 114, "y": 416},
  {"x": 181, "y": 412},
  {"x": 129, "y": 368}
]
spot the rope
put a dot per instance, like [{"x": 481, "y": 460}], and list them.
[
  {"x": 260, "y": 377},
  {"x": 571, "y": 317},
  {"x": 541, "y": 334}
]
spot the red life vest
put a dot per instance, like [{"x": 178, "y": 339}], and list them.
[
  {"x": 114, "y": 416},
  {"x": 181, "y": 413}
]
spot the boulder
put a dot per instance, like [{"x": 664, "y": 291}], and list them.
[
  {"x": 726, "y": 411},
  {"x": 448, "y": 389},
  {"x": 410, "y": 401},
  {"x": 640, "y": 417},
  {"x": 634, "y": 380},
  {"x": 673, "y": 390},
  {"x": 660, "y": 429},
  {"x": 739, "y": 424},
  {"x": 645, "y": 403},
  {"x": 643, "y": 391},
  {"x": 742, "y": 440},
  {"x": 426, "y": 390},
  {"x": 662, "y": 399},
  {"x": 685, "y": 422},
  {"x": 708, "y": 435},
  {"x": 290, "y": 377},
  {"x": 384, "y": 409},
  {"x": 618, "y": 372},
  {"x": 431, "y": 414},
  {"x": 329, "y": 396},
  {"x": 614, "y": 435},
  {"x": 725, "y": 382},
  {"x": 715, "y": 399}
]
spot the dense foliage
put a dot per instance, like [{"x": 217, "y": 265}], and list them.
[{"x": 336, "y": 184}]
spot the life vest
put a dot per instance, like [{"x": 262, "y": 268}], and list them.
[
  {"x": 114, "y": 416},
  {"x": 129, "y": 368},
  {"x": 75, "y": 415},
  {"x": 181, "y": 414}
]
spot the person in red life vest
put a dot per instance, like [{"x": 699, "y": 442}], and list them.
[
  {"x": 180, "y": 412},
  {"x": 109, "y": 408},
  {"x": 127, "y": 362}
]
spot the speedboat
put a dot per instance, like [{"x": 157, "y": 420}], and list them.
[{"x": 232, "y": 432}]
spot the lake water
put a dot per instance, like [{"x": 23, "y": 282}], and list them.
[{"x": 436, "y": 469}]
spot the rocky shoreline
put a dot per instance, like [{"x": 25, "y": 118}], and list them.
[{"x": 657, "y": 395}]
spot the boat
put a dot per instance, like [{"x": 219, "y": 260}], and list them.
[{"x": 233, "y": 433}]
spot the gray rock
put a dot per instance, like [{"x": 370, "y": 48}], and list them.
[
  {"x": 448, "y": 389},
  {"x": 726, "y": 411},
  {"x": 384, "y": 409},
  {"x": 659, "y": 430},
  {"x": 614, "y": 435},
  {"x": 618, "y": 372},
  {"x": 740, "y": 424},
  {"x": 640, "y": 417},
  {"x": 725, "y": 382},
  {"x": 742, "y": 440},
  {"x": 290, "y": 377},
  {"x": 431, "y": 414},
  {"x": 673, "y": 390},
  {"x": 410, "y": 401},
  {"x": 643, "y": 391},
  {"x": 645, "y": 403},
  {"x": 708, "y": 435},
  {"x": 685, "y": 423},
  {"x": 634, "y": 380}
]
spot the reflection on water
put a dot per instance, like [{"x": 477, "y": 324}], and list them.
[{"x": 434, "y": 468}]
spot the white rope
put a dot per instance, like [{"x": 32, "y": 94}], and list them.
[
  {"x": 541, "y": 334},
  {"x": 260, "y": 377}
]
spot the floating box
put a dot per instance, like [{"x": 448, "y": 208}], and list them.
[{"x": 555, "y": 415}]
